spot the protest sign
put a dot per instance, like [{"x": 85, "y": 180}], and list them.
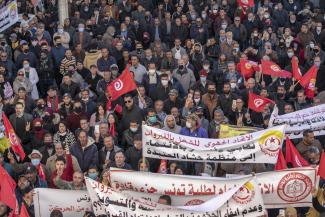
[
  {"x": 227, "y": 131},
  {"x": 312, "y": 118},
  {"x": 242, "y": 200},
  {"x": 8, "y": 14},
  {"x": 278, "y": 188},
  {"x": 70, "y": 203},
  {"x": 258, "y": 147}
]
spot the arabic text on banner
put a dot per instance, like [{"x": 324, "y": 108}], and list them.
[
  {"x": 258, "y": 147},
  {"x": 243, "y": 200},
  {"x": 278, "y": 188},
  {"x": 8, "y": 15},
  {"x": 227, "y": 131},
  {"x": 70, "y": 203}
]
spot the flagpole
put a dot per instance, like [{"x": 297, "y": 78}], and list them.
[{"x": 143, "y": 158}]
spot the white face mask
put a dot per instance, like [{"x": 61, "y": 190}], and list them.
[
  {"x": 290, "y": 54},
  {"x": 203, "y": 79},
  {"x": 188, "y": 124},
  {"x": 164, "y": 82},
  {"x": 26, "y": 66},
  {"x": 233, "y": 85},
  {"x": 206, "y": 67},
  {"x": 151, "y": 71},
  {"x": 60, "y": 31},
  {"x": 312, "y": 45},
  {"x": 133, "y": 129},
  {"x": 224, "y": 26},
  {"x": 196, "y": 100}
]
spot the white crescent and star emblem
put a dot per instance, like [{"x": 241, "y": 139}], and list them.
[
  {"x": 118, "y": 85},
  {"x": 258, "y": 102}
]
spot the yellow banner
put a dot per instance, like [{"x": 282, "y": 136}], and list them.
[{"x": 227, "y": 131}]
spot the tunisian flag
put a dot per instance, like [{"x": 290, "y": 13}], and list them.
[
  {"x": 281, "y": 164},
  {"x": 13, "y": 138},
  {"x": 122, "y": 85},
  {"x": 293, "y": 156},
  {"x": 270, "y": 68},
  {"x": 257, "y": 103},
  {"x": 321, "y": 168},
  {"x": 295, "y": 68},
  {"x": 7, "y": 190},
  {"x": 245, "y": 3},
  {"x": 23, "y": 211},
  {"x": 308, "y": 81},
  {"x": 247, "y": 67}
]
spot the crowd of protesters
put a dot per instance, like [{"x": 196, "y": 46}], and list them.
[{"x": 184, "y": 57}]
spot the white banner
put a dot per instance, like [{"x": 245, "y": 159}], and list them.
[
  {"x": 312, "y": 118},
  {"x": 258, "y": 147},
  {"x": 8, "y": 14},
  {"x": 278, "y": 188},
  {"x": 70, "y": 203},
  {"x": 243, "y": 200}
]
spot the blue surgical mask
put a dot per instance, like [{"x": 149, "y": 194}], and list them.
[
  {"x": 36, "y": 162},
  {"x": 93, "y": 176},
  {"x": 152, "y": 119}
]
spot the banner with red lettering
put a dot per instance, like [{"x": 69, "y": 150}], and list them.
[
  {"x": 279, "y": 188},
  {"x": 242, "y": 200},
  {"x": 258, "y": 147},
  {"x": 69, "y": 203}
]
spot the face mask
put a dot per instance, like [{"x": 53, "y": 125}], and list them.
[
  {"x": 196, "y": 100},
  {"x": 93, "y": 176},
  {"x": 312, "y": 45},
  {"x": 34, "y": 43},
  {"x": 290, "y": 54},
  {"x": 60, "y": 31},
  {"x": 236, "y": 49},
  {"x": 229, "y": 41},
  {"x": 164, "y": 82},
  {"x": 85, "y": 99},
  {"x": 203, "y": 79},
  {"x": 266, "y": 16},
  {"x": 233, "y": 85},
  {"x": 77, "y": 109},
  {"x": 35, "y": 162},
  {"x": 81, "y": 29},
  {"x": 151, "y": 71},
  {"x": 188, "y": 124},
  {"x": 26, "y": 50},
  {"x": 224, "y": 26},
  {"x": 317, "y": 64},
  {"x": 181, "y": 67},
  {"x": 152, "y": 119},
  {"x": 133, "y": 129},
  {"x": 318, "y": 28},
  {"x": 46, "y": 118},
  {"x": 26, "y": 66},
  {"x": 40, "y": 106},
  {"x": 204, "y": 16},
  {"x": 206, "y": 68},
  {"x": 38, "y": 128}
]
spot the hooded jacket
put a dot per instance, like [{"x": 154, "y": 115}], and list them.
[
  {"x": 176, "y": 129},
  {"x": 87, "y": 156}
]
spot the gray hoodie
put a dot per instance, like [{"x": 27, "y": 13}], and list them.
[{"x": 176, "y": 129}]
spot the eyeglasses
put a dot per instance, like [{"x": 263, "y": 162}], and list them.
[
  {"x": 129, "y": 101},
  {"x": 3, "y": 56}
]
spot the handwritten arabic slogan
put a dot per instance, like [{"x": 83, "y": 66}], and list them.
[
  {"x": 70, "y": 203},
  {"x": 278, "y": 188},
  {"x": 243, "y": 200},
  {"x": 8, "y": 15},
  {"x": 297, "y": 122},
  {"x": 258, "y": 147}
]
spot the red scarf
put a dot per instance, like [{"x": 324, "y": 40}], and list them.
[
  {"x": 55, "y": 107},
  {"x": 41, "y": 172},
  {"x": 108, "y": 105},
  {"x": 111, "y": 130}
]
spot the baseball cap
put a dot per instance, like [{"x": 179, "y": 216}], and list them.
[
  {"x": 173, "y": 92},
  {"x": 113, "y": 66},
  {"x": 37, "y": 152},
  {"x": 67, "y": 95},
  {"x": 30, "y": 169}
]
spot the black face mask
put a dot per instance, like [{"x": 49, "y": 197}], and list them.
[
  {"x": 77, "y": 109},
  {"x": 58, "y": 44},
  {"x": 47, "y": 118},
  {"x": 26, "y": 50},
  {"x": 280, "y": 95},
  {"x": 38, "y": 128},
  {"x": 181, "y": 67}
]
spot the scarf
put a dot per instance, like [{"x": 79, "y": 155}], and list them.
[
  {"x": 108, "y": 105},
  {"x": 54, "y": 105},
  {"x": 40, "y": 172},
  {"x": 111, "y": 130}
]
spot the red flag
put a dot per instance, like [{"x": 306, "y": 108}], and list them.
[
  {"x": 257, "y": 103},
  {"x": 295, "y": 68},
  {"x": 245, "y": 3},
  {"x": 270, "y": 68},
  {"x": 14, "y": 140},
  {"x": 162, "y": 167},
  {"x": 23, "y": 211},
  {"x": 7, "y": 189},
  {"x": 308, "y": 81},
  {"x": 35, "y": 2},
  {"x": 122, "y": 85},
  {"x": 321, "y": 168},
  {"x": 293, "y": 156},
  {"x": 247, "y": 67},
  {"x": 281, "y": 163}
]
